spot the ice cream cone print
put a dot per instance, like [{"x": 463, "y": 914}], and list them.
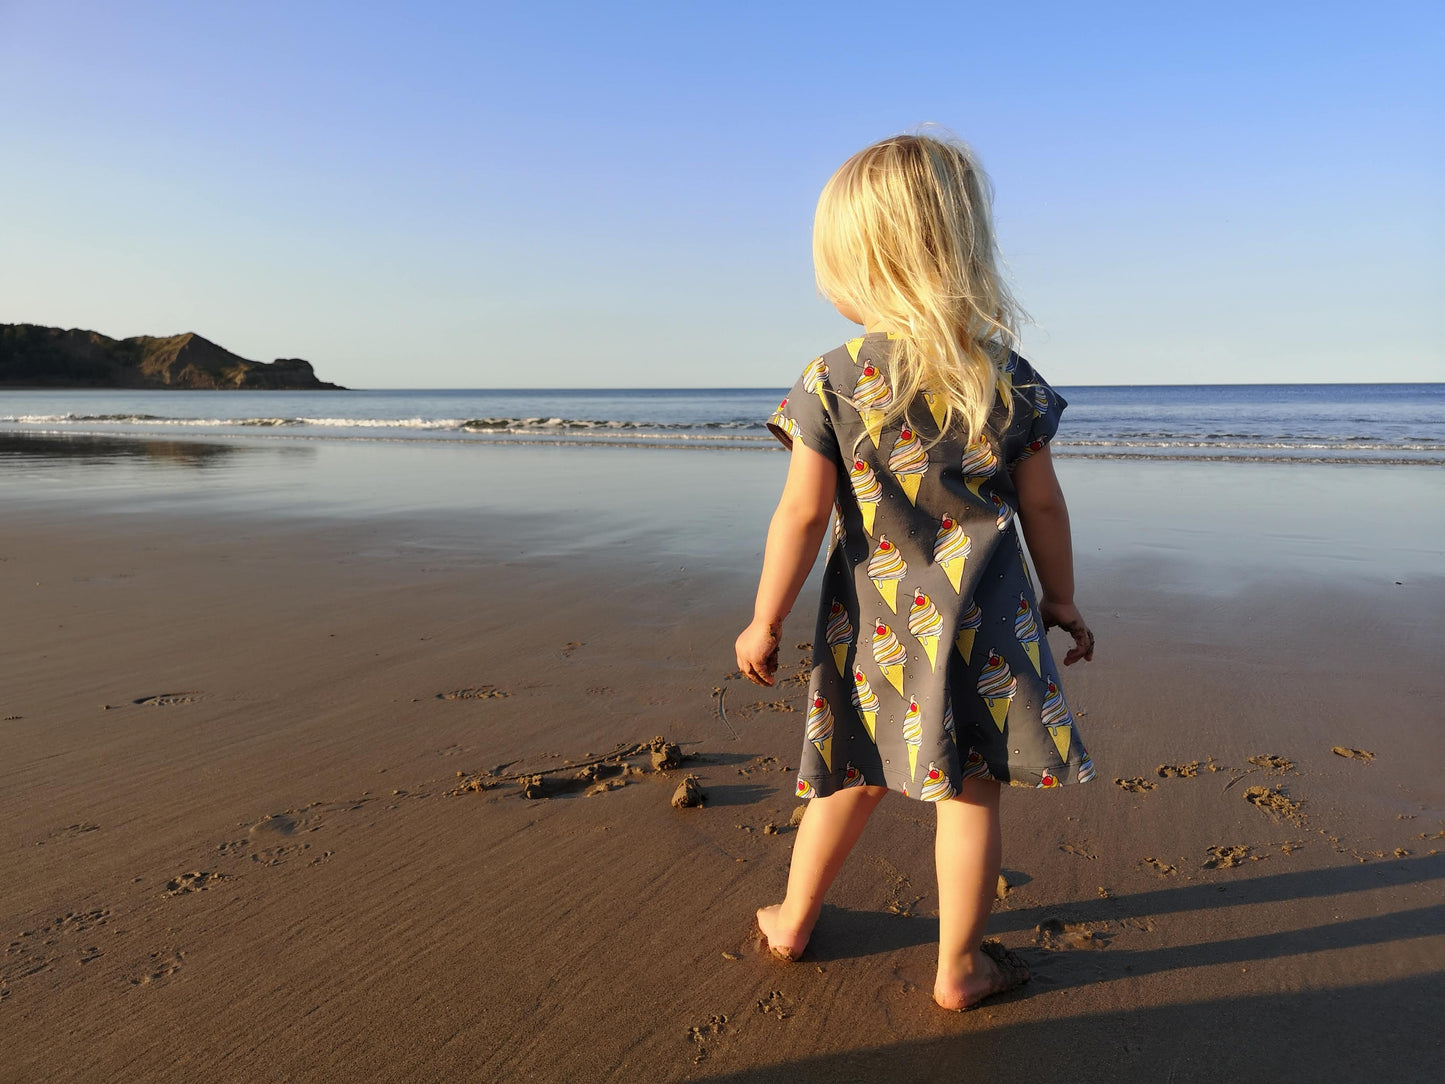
[
  {"x": 854, "y": 345},
  {"x": 781, "y": 419},
  {"x": 936, "y": 787},
  {"x": 1057, "y": 719},
  {"x": 820, "y": 728},
  {"x": 979, "y": 464},
  {"x": 885, "y": 568},
  {"x": 1041, "y": 400},
  {"x": 867, "y": 490},
  {"x": 839, "y": 636},
  {"x": 813, "y": 379},
  {"x": 1002, "y": 512},
  {"x": 805, "y": 789},
  {"x": 852, "y": 777},
  {"x": 866, "y": 701},
  {"x": 888, "y": 653},
  {"x": 912, "y": 736},
  {"x": 872, "y": 397},
  {"x": 937, "y": 406},
  {"x": 948, "y": 725},
  {"x": 926, "y": 624},
  {"x": 975, "y": 767},
  {"x": 909, "y": 463},
  {"x": 997, "y": 685},
  {"x": 951, "y": 548},
  {"x": 1027, "y": 631},
  {"x": 968, "y": 627},
  {"x": 1031, "y": 448}
]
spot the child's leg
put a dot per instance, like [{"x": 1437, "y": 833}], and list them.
[
  {"x": 968, "y": 850},
  {"x": 829, "y": 830}
]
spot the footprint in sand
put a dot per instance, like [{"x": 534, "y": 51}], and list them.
[
  {"x": 1056, "y": 935},
  {"x": 1074, "y": 848},
  {"x": 775, "y": 1005},
  {"x": 1186, "y": 771},
  {"x": 1275, "y": 802},
  {"x": 162, "y": 965},
  {"x": 1272, "y": 763},
  {"x": 34, "y": 951},
  {"x": 1221, "y": 857},
  {"x": 571, "y": 646},
  {"x": 1160, "y": 867},
  {"x": 706, "y": 1035},
  {"x": 195, "y": 881},
  {"x": 169, "y": 700}
]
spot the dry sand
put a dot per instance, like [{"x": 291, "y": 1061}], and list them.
[{"x": 263, "y": 817}]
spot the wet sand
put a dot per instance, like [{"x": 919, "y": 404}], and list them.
[{"x": 263, "y": 817}]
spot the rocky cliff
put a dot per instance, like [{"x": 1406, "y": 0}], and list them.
[{"x": 32, "y": 356}]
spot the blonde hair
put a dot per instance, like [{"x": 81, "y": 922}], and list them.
[{"x": 904, "y": 235}]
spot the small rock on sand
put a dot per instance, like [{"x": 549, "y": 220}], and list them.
[
  {"x": 688, "y": 794},
  {"x": 797, "y": 817},
  {"x": 1002, "y": 891},
  {"x": 533, "y": 787}
]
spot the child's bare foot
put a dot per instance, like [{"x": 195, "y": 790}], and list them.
[
  {"x": 991, "y": 970},
  {"x": 785, "y": 941}
]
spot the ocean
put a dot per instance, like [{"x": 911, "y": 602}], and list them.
[{"x": 1320, "y": 423}]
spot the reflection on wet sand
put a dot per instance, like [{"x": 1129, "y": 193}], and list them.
[{"x": 38, "y": 449}]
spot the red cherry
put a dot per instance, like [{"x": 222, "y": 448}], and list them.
[
  {"x": 885, "y": 546},
  {"x": 947, "y": 524},
  {"x": 907, "y": 434},
  {"x": 859, "y": 465},
  {"x": 882, "y": 630},
  {"x": 868, "y": 370}
]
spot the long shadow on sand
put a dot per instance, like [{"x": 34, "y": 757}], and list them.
[{"x": 1363, "y": 1033}]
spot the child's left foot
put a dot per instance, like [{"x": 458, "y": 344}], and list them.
[
  {"x": 990, "y": 971},
  {"x": 785, "y": 942}
]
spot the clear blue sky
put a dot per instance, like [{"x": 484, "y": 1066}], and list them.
[{"x": 457, "y": 194}]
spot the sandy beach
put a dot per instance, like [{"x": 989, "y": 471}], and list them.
[{"x": 263, "y": 815}]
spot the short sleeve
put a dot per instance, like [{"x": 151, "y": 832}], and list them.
[
  {"x": 1037, "y": 410},
  {"x": 803, "y": 413}
]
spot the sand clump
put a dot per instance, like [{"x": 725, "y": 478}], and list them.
[
  {"x": 1363, "y": 755},
  {"x": 1221, "y": 857},
  {"x": 1272, "y": 763},
  {"x": 1136, "y": 784},
  {"x": 688, "y": 794}
]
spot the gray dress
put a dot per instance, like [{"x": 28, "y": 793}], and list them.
[{"x": 930, "y": 664}]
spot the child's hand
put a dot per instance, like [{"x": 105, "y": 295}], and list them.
[
  {"x": 1067, "y": 617},
  {"x": 757, "y": 650}
]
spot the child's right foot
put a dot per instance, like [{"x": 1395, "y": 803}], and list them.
[
  {"x": 991, "y": 970},
  {"x": 784, "y": 941}
]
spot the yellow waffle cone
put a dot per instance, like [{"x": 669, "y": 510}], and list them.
[
  {"x": 889, "y": 590},
  {"x": 873, "y": 421},
  {"x": 868, "y": 508},
  {"x": 853, "y": 347},
  {"x": 894, "y": 674},
  {"x": 930, "y": 645},
  {"x": 825, "y": 748},
  {"x": 953, "y": 567},
  {"x": 870, "y": 720},
  {"x": 998, "y": 708},
  {"x": 1033, "y": 652},
  {"x": 1061, "y": 736},
  {"x": 936, "y": 407},
  {"x": 964, "y": 642},
  {"x": 840, "y": 658},
  {"x": 974, "y": 482},
  {"x": 910, "y": 483},
  {"x": 912, "y": 762}
]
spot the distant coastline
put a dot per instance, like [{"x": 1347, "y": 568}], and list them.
[{"x": 37, "y": 358}]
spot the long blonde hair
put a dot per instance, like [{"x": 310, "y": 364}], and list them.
[{"x": 904, "y": 235}]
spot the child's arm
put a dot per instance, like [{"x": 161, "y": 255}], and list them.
[
  {"x": 1045, "y": 520},
  {"x": 793, "y": 540}
]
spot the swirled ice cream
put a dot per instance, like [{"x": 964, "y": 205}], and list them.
[
  {"x": 866, "y": 701},
  {"x": 936, "y": 787},
  {"x": 968, "y": 626},
  {"x": 815, "y": 377},
  {"x": 888, "y": 653},
  {"x": 979, "y": 463},
  {"x": 872, "y": 396},
  {"x": 820, "y": 728},
  {"x": 1058, "y": 720},
  {"x": 867, "y": 490},
  {"x": 838, "y": 634},
  {"x": 912, "y": 735}
]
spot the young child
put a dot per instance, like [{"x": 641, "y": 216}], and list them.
[{"x": 931, "y": 673}]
